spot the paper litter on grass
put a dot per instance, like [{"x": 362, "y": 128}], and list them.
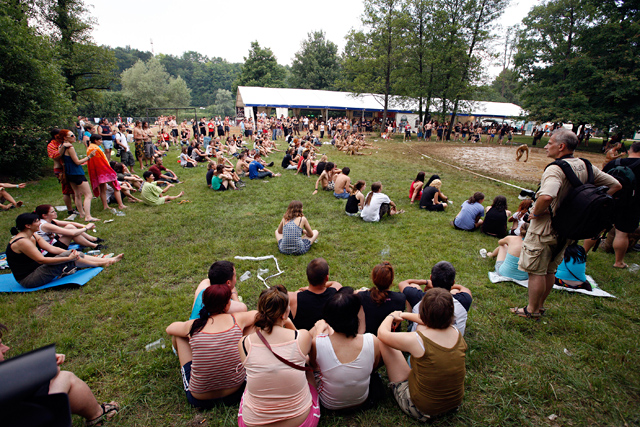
[{"x": 595, "y": 292}]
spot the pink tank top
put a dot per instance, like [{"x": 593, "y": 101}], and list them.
[{"x": 275, "y": 392}]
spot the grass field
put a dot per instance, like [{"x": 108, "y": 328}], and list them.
[{"x": 518, "y": 372}]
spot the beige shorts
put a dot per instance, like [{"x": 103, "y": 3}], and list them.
[
  {"x": 537, "y": 255},
  {"x": 401, "y": 393}
]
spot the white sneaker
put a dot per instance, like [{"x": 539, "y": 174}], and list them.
[{"x": 483, "y": 253}]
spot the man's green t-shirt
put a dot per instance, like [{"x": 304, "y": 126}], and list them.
[{"x": 150, "y": 194}]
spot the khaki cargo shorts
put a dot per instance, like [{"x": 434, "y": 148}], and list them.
[{"x": 537, "y": 255}]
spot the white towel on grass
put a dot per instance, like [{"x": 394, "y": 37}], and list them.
[{"x": 595, "y": 292}]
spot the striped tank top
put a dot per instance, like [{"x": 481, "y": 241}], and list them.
[{"x": 216, "y": 362}]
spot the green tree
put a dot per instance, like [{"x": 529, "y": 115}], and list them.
[
  {"x": 316, "y": 65},
  {"x": 506, "y": 85},
  {"x": 224, "y": 105},
  {"x": 148, "y": 85},
  {"x": 580, "y": 63},
  {"x": 86, "y": 67},
  {"x": 373, "y": 55},
  {"x": 261, "y": 68},
  {"x": 33, "y": 92}
]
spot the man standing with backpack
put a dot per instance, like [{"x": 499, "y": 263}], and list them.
[
  {"x": 626, "y": 216},
  {"x": 543, "y": 248}
]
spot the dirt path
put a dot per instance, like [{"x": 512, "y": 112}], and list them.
[{"x": 496, "y": 160}]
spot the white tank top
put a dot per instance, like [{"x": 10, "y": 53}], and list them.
[{"x": 344, "y": 385}]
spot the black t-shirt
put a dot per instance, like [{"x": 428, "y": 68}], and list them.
[
  {"x": 310, "y": 307},
  {"x": 286, "y": 161},
  {"x": 495, "y": 223},
  {"x": 375, "y": 314},
  {"x": 209, "y": 177},
  {"x": 427, "y": 196}
]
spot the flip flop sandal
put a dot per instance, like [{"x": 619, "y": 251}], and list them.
[
  {"x": 109, "y": 410},
  {"x": 523, "y": 312},
  {"x": 184, "y": 201}
]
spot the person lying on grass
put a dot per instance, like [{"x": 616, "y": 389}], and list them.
[
  {"x": 6, "y": 197},
  {"x": 208, "y": 351},
  {"x": 61, "y": 233},
  {"x": 81, "y": 399},
  {"x": 294, "y": 234},
  {"x": 434, "y": 383},
  {"x": 377, "y": 205},
  {"x": 150, "y": 192},
  {"x": 32, "y": 269}
]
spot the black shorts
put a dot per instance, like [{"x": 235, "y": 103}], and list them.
[
  {"x": 174, "y": 132},
  {"x": 627, "y": 220},
  {"x": 76, "y": 179}
]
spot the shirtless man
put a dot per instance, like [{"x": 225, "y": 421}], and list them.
[
  {"x": 524, "y": 148},
  {"x": 612, "y": 154},
  {"x": 343, "y": 184},
  {"x": 327, "y": 177}
]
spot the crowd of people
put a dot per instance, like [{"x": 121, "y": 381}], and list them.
[{"x": 321, "y": 346}]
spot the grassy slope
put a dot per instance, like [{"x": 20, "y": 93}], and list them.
[{"x": 517, "y": 370}]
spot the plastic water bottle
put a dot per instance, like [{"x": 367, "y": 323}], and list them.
[
  {"x": 155, "y": 345},
  {"x": 633, "y": 268},
  {"x": 245, "y": 276},
  {"x": 385, "y": 252},
  {"x": 93, "y": 252}
]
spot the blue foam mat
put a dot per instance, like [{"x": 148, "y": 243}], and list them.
[{"x": 9, "y": 284}]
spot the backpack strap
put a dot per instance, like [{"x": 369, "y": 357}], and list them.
[{"x": 571, "y": 175}]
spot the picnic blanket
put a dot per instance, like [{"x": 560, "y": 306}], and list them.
[
  {"x": 595, "y": 292},
  {"x": 9, "y": 284}
]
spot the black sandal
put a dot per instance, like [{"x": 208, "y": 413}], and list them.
[
  {"x": 523, "y": 312},
  {"x": 109, "y": 410}
]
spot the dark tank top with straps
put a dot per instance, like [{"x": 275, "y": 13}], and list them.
[{"x": 20, "y": 264}]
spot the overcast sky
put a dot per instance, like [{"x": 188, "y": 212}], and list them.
[{"x": 227, "y": 30}]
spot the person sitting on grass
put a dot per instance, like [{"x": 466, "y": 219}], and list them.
[
  {"x": 415, "y": 191},
  {"x": 342, "y": 187},
  {"x": 6, "y": 197},
  {"x": 161, "y": 173},
  {"x": 150, "y": 192},
  {"x": 185, "y": 160},
  {"x": 221, "y": 273},
  {"x": 290, "y": 160},
  {"x": 294, "y": 234},
  {"x": 208, "y": 351},
  {"x": 30, "y": 268},
  {"x": 377, "y": 205},
  {"x": 520, "y": 216},
  {"x": 443, "y": 275},
  {"x": 431, "y": 197},
  {"x": 468, "y": 218},
  {"x": 495, "y": 222},
  {"x": 344, "y": 358},
  {"x": 571, "y": 272},
  {"x": 277, "y": 392},
  {"x": 257, "y": 170},
  {"x": 222, "y": 180},
  {"x": 355, "y": 202},
  {"x": 507, "y": 255},
  {"x": 379, "y": 301},
  {"x": 61, "y": 233},
  {"x": 327, "y": 177},
  {"x": 434, "y": 383},
  {"x": 81, "y": 399}
]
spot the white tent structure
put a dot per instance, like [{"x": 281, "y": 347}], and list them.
[{"x": 263, "y": 99}]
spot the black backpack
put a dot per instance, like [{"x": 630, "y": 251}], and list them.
[
  {"x": 627, "y": 178},
  {"x": 586, "y": 211}
]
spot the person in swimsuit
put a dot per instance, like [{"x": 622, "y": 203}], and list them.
[
  {"x": 294, "y": 234},
  {"x": 207, "y": 348}
]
